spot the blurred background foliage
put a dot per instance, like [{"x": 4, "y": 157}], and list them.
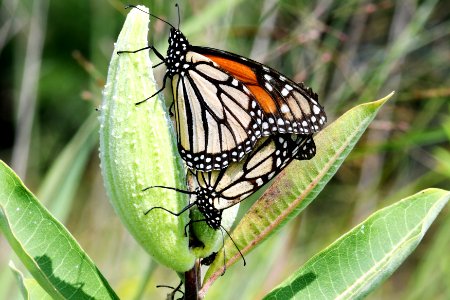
[{"x": 54, "y": 57}]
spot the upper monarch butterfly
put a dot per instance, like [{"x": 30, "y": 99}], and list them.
[
  {"x": 225, "y": 102},
  {"x": 220, "y": 189}
]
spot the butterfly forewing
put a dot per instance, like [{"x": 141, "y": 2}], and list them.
[
  {"x": 288, "y": 107},
  {"x": 217, "y": 117},
  {"x": 224, "y": 103}
]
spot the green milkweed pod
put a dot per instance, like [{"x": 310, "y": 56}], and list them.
[{"x": 138, "y": 150}]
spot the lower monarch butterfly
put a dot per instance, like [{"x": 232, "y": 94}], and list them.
[
  {"x": 225, "y": 102},
  {"x": 219, "y": 190}
]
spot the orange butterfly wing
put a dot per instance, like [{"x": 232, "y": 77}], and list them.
[
  {"x": 288, "y": 106},
  {"x": 246, "y": 75}
]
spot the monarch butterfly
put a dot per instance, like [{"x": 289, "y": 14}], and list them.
[
  {"x": 221, "y": 189},
  {"x": 225, "y": 102}
]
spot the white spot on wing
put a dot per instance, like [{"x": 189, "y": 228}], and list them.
[
  {"x": 278, "y": 162},
  {"x": 316, "y": 109}
]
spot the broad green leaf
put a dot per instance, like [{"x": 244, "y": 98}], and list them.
[
  {"x": 45, "y": 247},
  {"x": 297, "y": 186},
  {"x": 28, "y": 286},
  {"x": 137, "y": 150},
  {"x": 361, "y": 259}
]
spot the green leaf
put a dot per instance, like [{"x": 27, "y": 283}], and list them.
[
  {"x": 29, "y": 287},
  {"x": 45, "y": 247},
  {"x": 357, "y": 262},
  {"x": 297, "y": 186},
  {"x": 138, "y": 150}
]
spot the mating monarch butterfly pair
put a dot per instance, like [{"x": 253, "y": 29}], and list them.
[{"x": 227, "y": 106}]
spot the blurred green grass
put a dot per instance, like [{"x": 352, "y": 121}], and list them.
[{"x": 348, "y": 52}]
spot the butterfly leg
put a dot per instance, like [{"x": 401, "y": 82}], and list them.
[
  {"x": 172, "y": 294},
  {"x": 135, "y": 51},
  {"x": 224, "y": 254},
  {"x": 171, "y": 212},
  {"x": 159, "y": 55},
  {"x": 158, "y": 64},
  {"x": 159, "y": 91},
  {"x": 191, "y": 222},
  {"x": 146, "y": 48}
]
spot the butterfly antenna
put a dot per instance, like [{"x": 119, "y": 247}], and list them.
[
  {"x": 134, "y": 6},
  {"x": 179, "y": 18},
  {"x": 243, "y": 258}
]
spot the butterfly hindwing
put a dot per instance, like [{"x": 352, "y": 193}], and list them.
[
  {"x": 232, "y": 185},
  {"x": 307, "y": 149}
]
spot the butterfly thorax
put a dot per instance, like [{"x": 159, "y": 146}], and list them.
[
  {"x": 176, "y": 53},
  {"x": 205, "y": 204}
]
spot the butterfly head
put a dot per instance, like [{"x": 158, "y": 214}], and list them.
[
  {"x": 176, "y": 53},
  {"x": 205, "y": 204}
]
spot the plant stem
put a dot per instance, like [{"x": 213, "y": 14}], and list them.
[{"x": 192, "y": 282}]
